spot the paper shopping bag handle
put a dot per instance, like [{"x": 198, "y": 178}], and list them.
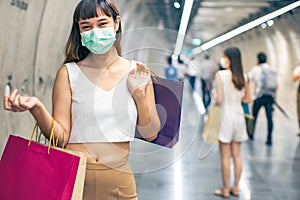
[{"x": 51, "y": 139}]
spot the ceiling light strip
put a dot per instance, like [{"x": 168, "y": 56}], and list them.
[
  {"x": 244, "y": 28},
  {"x": 183, "y": 25}
]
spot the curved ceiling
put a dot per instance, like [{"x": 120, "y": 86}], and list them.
[{"x": 211, "y": 18}]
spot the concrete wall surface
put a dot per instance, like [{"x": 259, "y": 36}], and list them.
[{"x": 32, "y": 39}]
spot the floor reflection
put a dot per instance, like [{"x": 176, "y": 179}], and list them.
[{"x": 269, "y": 173}]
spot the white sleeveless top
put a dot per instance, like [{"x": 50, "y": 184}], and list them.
[
  {"x": 99, "y": 115},
  {"x": 232, "y": 115}
]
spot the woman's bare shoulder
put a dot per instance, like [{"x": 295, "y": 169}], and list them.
[
  {"x": 62, "y": 70},
  {"x": 125, "y": 63},
  {"x": 62, "y": 73}
]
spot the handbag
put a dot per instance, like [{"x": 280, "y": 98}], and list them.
[
  {"x": 168, "y": 99},
  {"x": 249, "y": 120},
  {"x": 32, "y": 171},
  {"x": 211, "y": 128}
]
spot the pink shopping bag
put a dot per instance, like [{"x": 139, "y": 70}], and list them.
[{"x": 31, "y": 173}]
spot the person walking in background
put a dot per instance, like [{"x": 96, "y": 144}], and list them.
[
  {"x": 296, "y": 78},
  {"x": 231, "y": 88},
  {"x": 171, "y": 71},
  {"x": 207, "y": 72},
  {"x": 181, "y": 68},
  {"x": 192, "y": 73},
  {"x": 99, "y": 98},
  {"x": 265, "y": 80}
]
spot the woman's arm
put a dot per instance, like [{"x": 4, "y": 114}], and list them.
[
  {"x": 248, "y": 92},
  {"x": 296, "y": 74},
  {"x": 61, "y": 102},
  {"x": 219, "y": 89},
  {"x": 148, "y": 123},
  {"x": 295, "y": 77},
  {"x": 247, "y": 97},
  {"x": 61, "y": 106},
  {"x": 61, "y": 110}
]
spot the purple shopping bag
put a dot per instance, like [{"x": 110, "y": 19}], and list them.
[
  {"x": 31, "y": 173},
  {"x": 168, "y": 99}
]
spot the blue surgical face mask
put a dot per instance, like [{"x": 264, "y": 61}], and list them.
[{"x": 98, "y": 40}]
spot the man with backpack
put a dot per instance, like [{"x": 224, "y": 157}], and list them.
[{"x": 265, "y": 80}]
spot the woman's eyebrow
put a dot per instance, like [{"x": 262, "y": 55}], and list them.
[
  {"x": 102, "y": 19},
  {"x": 83, "y": 22},
  {"x": 99, "y": 20}
]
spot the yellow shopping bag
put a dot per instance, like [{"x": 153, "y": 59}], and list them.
[{"x": 211, "y": 129}]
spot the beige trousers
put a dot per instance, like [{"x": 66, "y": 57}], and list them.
[{"x": 105, "y": 183}]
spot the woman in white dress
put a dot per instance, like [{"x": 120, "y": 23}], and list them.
[{"x": 231, "y": 90}]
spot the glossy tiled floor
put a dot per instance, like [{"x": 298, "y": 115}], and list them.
[{"x": 191, "y": 170}]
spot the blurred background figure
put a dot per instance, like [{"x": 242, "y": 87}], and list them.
[
  {"x": 171, "y": 71},
  {"x": 296, "y": 78},
  {"x": 192, "y": 73},
  {"x": 265, "y": 79},
  {"x": 207, "y": 71},
  {"x": 181, "y": 67},
  {"x": 232, "y": 88}
]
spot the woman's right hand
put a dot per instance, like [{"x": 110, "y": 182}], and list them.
[
  {"x": 17, "y": 103},
  {"x": 138, "y": 79}
]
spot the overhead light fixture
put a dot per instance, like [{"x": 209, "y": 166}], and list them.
[
  {"x": 245, "y": 28},
  {"x": 196, "y": 42},
  {"x": 263, "y": 25},
  {"x": 177, "y": 4},
  {"x": 270, "y": 22},
  {"x": 188, "y": 4}
]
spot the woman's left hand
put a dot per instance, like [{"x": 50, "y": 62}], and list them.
[{"x": 137, "y": 81}]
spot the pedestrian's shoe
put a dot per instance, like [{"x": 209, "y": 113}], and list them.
[
  {"x": 234, "y": 192},
  {"x": 222, "y": 193},
  {"x": 269, "y": 143}
]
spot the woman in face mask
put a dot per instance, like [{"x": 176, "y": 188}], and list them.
[
  {"x": 232, "y": 88},
  {"x": 99, "y": 98}
]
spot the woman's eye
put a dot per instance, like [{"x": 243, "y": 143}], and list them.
[
  {"x": 85, "y": 27},
  {"x": 102, "y": 24}
]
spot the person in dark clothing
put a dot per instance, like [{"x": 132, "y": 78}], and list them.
[{"x": 262, "y": 95}]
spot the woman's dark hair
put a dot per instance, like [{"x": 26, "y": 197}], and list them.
[
  {"x": 236, "y": 67},
  {"x": 74, "y": 51}
]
